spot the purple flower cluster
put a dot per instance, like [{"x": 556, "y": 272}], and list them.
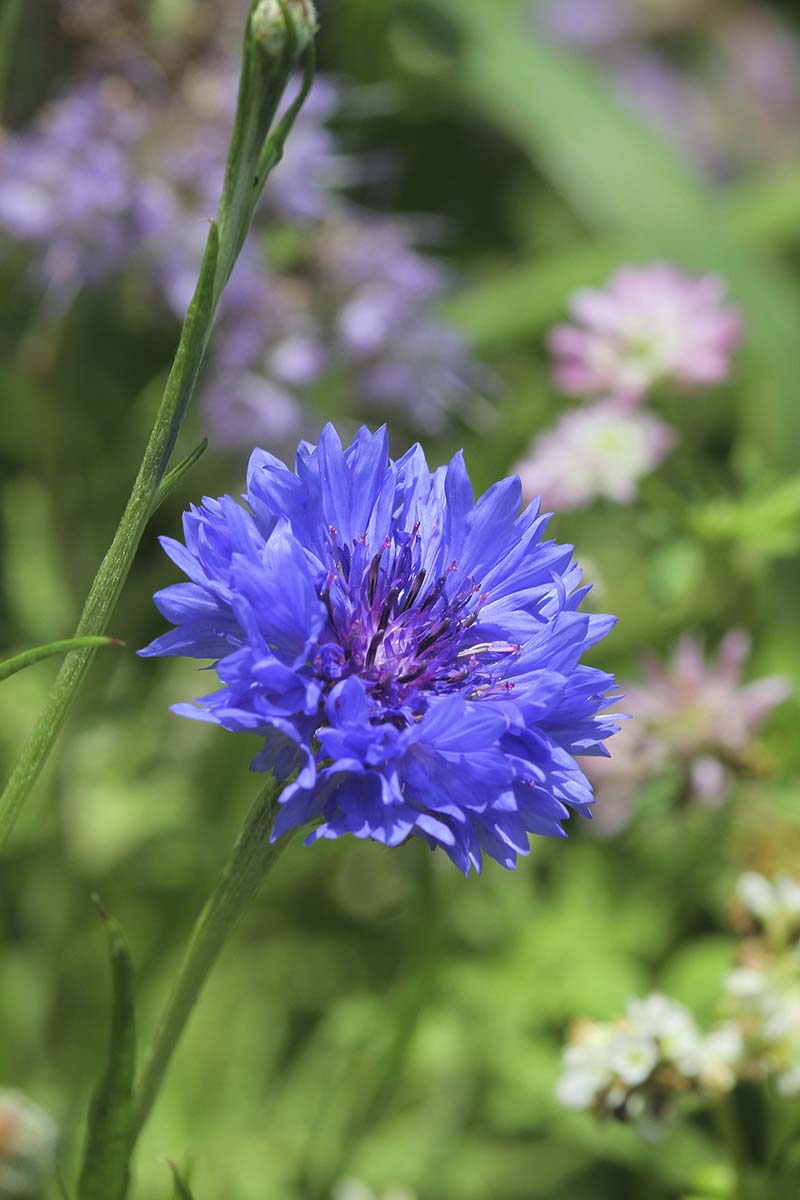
[
  {"x": 101, "y": 181},
  {"x": 410, "y": 656},
  {"x": 68, "y": 187},
  {"x": 649, "y": 326},
  {"x": 727, "y": 100}
]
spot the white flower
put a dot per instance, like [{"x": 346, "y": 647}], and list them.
[
  {"x": 352, "y": 1189},
  {"x": 632, "y": 1058},
  {"x": 687, "y": 1054},
  {"x": 578, "y": 1089},
  {"x": 745, "y": 984},
  {"x": 720, "y": 1054},
  {"x": 659, "y": 1017},
  {"x": 755, "y": 892},
  {"x": 788, "y": 1083},
  {"x": 586, "y": 1069},
  {"x": 28, "y": 1144}
]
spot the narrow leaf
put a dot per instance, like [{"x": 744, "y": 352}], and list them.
[
  {"x": 182, "y": 1191},
  {"x": 173, "y": 478},
  {"x": 109, "y": 1140},
  {"x": 522, "y": 299},
  {"x": 28, "y": 657}
]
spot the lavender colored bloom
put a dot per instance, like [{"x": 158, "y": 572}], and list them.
[
  {"x": 359, "y": 301},
  {"x": 68, "y": 187},
  {"x": 361, "y": 305},
  {"x": 268, "y": 350},
  {"x": 587, "y": 24},
  {"x": 649, "y": 325},
  {"x": 732, "y": 101},
  {"x": 414, "y": 655},
  {"x": 676, "y": 103},
  {"x": 384, "y": 295},
  {"x": 598, "y": 451},
  {"x": 693, "y": 714}
]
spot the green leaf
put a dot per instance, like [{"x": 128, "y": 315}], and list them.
[
  {"x": 623, "y": 180},
  {"x": 28, "y": 657},
  {"x": 109, "y": 1140},
  {"x": 182, "y": 1191},
  {"x": 765, "y": 211},
  {"x": 768, "y": 525},
  {"x": 174, "y": 477},
  {"x": 520, "y": 301}
]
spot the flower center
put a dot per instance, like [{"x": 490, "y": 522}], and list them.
[{"x": 404, "y": 627}]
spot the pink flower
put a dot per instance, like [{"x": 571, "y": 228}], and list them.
[
  {"x": 694, "y": 713},
  {"x": 649, "y": 325},
  {"x": 592, "y": 452}
]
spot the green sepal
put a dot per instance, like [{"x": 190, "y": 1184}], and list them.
[
  {"x": 28, "y": 657},
  {"x": 181, "y": 1191},
  {"x": 105, "y": 1170},
  {"x": 262, "y": 84}
]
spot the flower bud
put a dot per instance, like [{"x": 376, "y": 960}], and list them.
[
  {"x": 269, "y": 24},
  {"x": 28, "y": 1142}
]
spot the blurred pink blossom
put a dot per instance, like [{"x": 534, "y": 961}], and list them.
[
  {"x": 592, "y": 452},
  {"x": 649, "y": 325},
  {"x": 692, "y": 712}
]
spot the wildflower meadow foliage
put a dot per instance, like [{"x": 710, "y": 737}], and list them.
[{"x": 506, "y": 295}]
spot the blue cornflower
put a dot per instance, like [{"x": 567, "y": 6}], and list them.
[{"x": 411, "y": 656}]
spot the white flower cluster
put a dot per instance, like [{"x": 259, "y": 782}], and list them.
[
  {"x": 773, "y": 905},
  {"x": 763, "y": 993},
  {"x": 354, "y": 1189},
  {"x": 633, "y": 1068},
  {"x": 765, "y": 1002}
]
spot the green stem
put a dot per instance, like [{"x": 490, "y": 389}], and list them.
[
  {"x": 728, "y": 1124},
  {"x": 253, "y": 856},
  {"x": 9, "y": 29},
  {"x": 251, "y": 156},
  {"x": 28, "y": 657},
  {"x": 113, "y": 571}
]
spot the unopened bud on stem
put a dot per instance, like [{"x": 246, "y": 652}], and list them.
[{"x": 269, "y": 24}]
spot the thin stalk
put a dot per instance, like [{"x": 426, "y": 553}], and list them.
[
  {"x": 252, "y": 858},
  {"x": 28, "y": 657},
  {"x": 728, "y": 1125},
  {"x": 252, "y": 154},
  {"x": 114, "y": 569}
]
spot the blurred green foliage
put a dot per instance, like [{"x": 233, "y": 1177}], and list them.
[{"x": 377, "y": 1015}]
